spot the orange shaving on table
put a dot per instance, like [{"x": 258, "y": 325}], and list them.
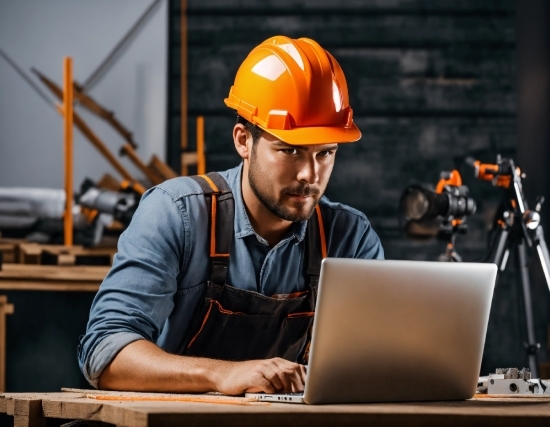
[
  {"x": 511, "y": 396},
  {"x": 220, "y": 400}
]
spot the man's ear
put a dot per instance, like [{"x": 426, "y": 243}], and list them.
[{"x": 242, "y": 140}]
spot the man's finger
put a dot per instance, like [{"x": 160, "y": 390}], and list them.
[
  {"x": 286, "y": 379},
  {"x": 262, "y": 386},
  {"x": 290, "y": 375},
  {"x": 297, "y": 384},
  {"x": 271, "y": 373},
  {"x": 303, "y": 373}
]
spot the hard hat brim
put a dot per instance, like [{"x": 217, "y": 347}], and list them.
[{"x": 317, "y": 135}]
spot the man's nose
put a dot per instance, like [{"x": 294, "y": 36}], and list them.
[{"x": 309, "y": 171}]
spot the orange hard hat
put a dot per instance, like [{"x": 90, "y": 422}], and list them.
[{"x": 296, "y": 91}]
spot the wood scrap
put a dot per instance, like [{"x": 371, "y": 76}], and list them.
[
  {"x": 34, "y": 253},
  {"x": 130, "y": 396},
  {"x": 8, "y": 248},
  {"x": 541, "y": 397},
  {"x": 228, "y": 400}
]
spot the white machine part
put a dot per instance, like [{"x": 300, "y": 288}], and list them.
[{"x": 516, "y": 382}]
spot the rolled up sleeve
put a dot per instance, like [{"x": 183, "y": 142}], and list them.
[{"x": 136, "y": 297}]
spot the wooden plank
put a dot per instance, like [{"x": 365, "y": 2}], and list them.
[
  {"x": 365, "y": 30},
  {"x": 54, "y": 273},
  {"x": 76, "y": 258},
  {"x": 28, "y": 253},
  {"x": 52, "y": 278},
  {"x": 161, "y": 168},
  {"x": 67, "y": 107},
  {"x": 190, "y": 159},
  {"x": 38, "y": 285},
  {"x": 8, "y": 249},
  {"x": 108, "y": 182},
  {"x": 28, "y": 413},
  {"x": 5, "y": 309},
  {"x": 132, "y": 396},
  {"x": 502, "y": 412},
  {"x": 34, "y": 253}
]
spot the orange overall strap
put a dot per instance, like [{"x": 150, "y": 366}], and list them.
[
  {"x": 321, "y": 231},
  {"x": 316, "y": 246},
  {"x": 221, "y": 206}
]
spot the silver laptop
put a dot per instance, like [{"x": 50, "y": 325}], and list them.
[{"x": 391, "y": 331}]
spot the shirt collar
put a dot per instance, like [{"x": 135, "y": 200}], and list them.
[{"x": 243, "y": 227}]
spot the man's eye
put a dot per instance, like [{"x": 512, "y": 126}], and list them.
[
  {"x": 290, "y": 151},
  {"x": 326, "y": 153}
]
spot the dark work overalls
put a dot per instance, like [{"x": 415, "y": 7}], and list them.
[{"x": 235, "y": 324}]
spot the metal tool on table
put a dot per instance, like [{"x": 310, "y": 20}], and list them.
[{"x": 513, "y": 381}]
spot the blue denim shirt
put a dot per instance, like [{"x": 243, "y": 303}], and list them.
[{"x": 162, "y": 265}]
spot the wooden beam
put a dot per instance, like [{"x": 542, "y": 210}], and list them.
[
  {"x": 68, "y": 148},
  {"x": 151, "y": 174},
  {"x": 21, "y": 277},
  {"x": 161, "y": 168},
  {"x": 509, "y": 411},
  {"x": 190, "y": 159},
  {"x": 85, "y": 129},
  {"x": 5, "y": 309},
  {"x": 28, "y": 413},
  {"x": 201, "y": 160}
]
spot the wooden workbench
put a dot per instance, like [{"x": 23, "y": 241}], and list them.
[
  {"x": 33, "y": 409},
  {"x": 28, "y": 277}
]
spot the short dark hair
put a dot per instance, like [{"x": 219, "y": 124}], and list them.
[{"x": 254, "y": 130}]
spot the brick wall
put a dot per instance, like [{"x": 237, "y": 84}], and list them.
[{"x": 430, "y": 82}]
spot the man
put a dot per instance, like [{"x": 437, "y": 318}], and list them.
[{"x": 213, "y": 287}]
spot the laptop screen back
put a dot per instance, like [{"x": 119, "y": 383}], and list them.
[{"x": 398, "y": 330}]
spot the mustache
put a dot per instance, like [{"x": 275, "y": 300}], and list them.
[{"x": 302, "y": 190}]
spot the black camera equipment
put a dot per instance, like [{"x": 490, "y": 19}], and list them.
[
  {"x": 448, "y": 205},
  {"x": 517, "y": 228}
]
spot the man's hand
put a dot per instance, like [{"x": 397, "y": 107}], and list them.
[{"x": 268, "y": 376}]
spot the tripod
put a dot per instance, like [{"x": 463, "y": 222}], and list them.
[
  {"x": 517, "y": 229},
  {"x": 447, "y": 232}
]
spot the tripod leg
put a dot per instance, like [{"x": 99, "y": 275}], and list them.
[
  {"x": 532, "y": 345},
  {"x": 542, "y": 250},
  {"x": 501, "y": 253}
]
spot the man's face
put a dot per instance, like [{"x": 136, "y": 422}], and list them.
[{"x": 288, "y": 179}]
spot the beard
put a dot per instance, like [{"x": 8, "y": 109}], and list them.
[{"x": 259, "y": 183}]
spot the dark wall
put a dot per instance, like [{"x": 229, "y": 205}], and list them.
[
  {"x": 430, "y": 82},
  {"x": 41, "y": 340}
]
